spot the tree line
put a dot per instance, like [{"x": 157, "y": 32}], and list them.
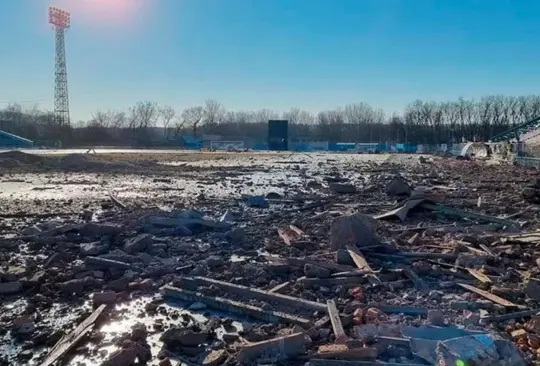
[{"x": 149, "y": 124}]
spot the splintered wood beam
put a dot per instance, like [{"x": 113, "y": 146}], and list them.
[
  {"x": 358, "y": 259},
  {"x": 337, "y": 326},
  {"x": 69, "y": 341},
  {"x": 489, "y": 296}
]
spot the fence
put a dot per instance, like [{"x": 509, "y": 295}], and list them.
[
  {"x": 526, "y": 161},
  {"x": 351, "y": 147}
]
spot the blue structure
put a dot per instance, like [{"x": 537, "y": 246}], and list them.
[
  {"x": 191, "y": 143},
  {"x": 11, "y": 141},
  {"x": 342, "y": 146}
]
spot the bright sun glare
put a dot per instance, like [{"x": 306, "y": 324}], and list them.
[{"x": 114, "y": 12}]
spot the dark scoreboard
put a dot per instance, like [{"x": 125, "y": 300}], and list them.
[{"x": 278, "y": 135}]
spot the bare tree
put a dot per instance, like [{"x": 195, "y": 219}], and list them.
[
  {"x": 264, "y": 115},
  {"x": 193, "y": 116},
  {"x": 167, "y": 114},
  {"x": 213, "y": 112}
]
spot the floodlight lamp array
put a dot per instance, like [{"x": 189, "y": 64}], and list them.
[{"x": 59, "y": 18}]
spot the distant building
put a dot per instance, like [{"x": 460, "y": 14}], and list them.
[{"x": 11, "y": 141}]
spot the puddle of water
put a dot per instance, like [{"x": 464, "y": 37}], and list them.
[{"x": 130, "y": 313}]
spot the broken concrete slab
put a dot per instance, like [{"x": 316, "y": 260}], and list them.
[
  {"x": 93, "y": 249},
  {"x": 10, "y": 288},
  {"x": 313, "y": 271},
  {"x": 235, "y": 307},
  {"x": 138, "y": 243},
  {"x": 279, "y": 348}
]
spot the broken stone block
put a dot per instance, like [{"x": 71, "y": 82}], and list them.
[
  {"x": 343, "y": 257},
  {"x": 87, "y": 215},
  {"x": 460, "y": 304},
  {"x": 398, "y": 187},
  {"x": 357, "y": 229},
  {"x": 435, "y": 317},
  {"x": 366, "y": 332},
  {"x": 37, "y": 279},
  {"x": 107, "y": 298},
  {"x": 533, "y": 325},
  {"x": 95, "y": 248},
  {"x": 236, "y": 235},
  {"x": 72, "y": 287},
  {"x": 23, "y": 326},
  {"x": 470, "y": 318},
  {"x": 213, "y": 261},
  {"x": 533, "y": 341},
  {"x": 138, "y": 243},
  {"x": 119, "y": 285},
  {"x": 312, "y": 271},
  {"x": 279, "y": 348},
  {"x": 8, "y": 288},
  {"x": 374, "y": 315},
  {"x": 32, "y": 230},
  {"x": 93, "y": 229},
  {"x": 532, "y": 289},
  {"x": 175, "y": 336},
  {"x": 122, "y": 357},
  {"x": 517, "y": 334},
  {"x": 215, "y": 357},
  {"x": 342, "y": 188},
  {"x": 165, "y": 362}
]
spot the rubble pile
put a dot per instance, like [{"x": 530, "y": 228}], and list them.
[{"x": 401, "y": 264}]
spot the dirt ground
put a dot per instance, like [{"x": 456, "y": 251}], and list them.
[{"x": 267, "y": 258}]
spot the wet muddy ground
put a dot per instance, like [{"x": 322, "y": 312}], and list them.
[{"x": 75, "y": 225}]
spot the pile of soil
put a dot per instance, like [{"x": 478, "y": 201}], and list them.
[
  {"x": 87, "y": 162},
  {"x": 14, "y": 159}
]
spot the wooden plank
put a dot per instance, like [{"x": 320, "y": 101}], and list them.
[
  {"x": 346, "y": 353},
  {"x": 509, "y": 316},
  {"x": 69, "y": 341},
  {"x": 116, "y": 201},
  {"x": 333, "y": 313},
  {"x": 280, "y": 287},
  {"x": 489, "y": 296},
  {"x": 487, "y": 250},
  {"x": 429, "y": 255},
  {"x": 472, "y": 250},
  {"x": 414, "y": 239},
  {"x": 318, "y": 324},
  {"x": 252, "y": 293},
  {"x": 235, "y": 307},
  {"x": 329, "y": 282},
  {"x": 297, "y": 230},
  {"x": 301, "y": 262},
  {"x": 479, "y": 276},
  {"x": 419, "y": 283},
  {"x": 358, "y": 259},
  {"x": 285, "y": 236}
]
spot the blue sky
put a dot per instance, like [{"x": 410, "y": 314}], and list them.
[{"x": 277, "y": 54}]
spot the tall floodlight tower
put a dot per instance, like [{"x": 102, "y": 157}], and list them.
[{"x": 60, "y": 20}]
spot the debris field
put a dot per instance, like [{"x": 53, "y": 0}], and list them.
[{"x": 268, "y": 258}]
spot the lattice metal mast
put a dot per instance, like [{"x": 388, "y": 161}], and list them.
[{"x": 60, "y": 20}]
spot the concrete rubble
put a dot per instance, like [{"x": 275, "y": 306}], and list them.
[{"x": 348, "y": 263}]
